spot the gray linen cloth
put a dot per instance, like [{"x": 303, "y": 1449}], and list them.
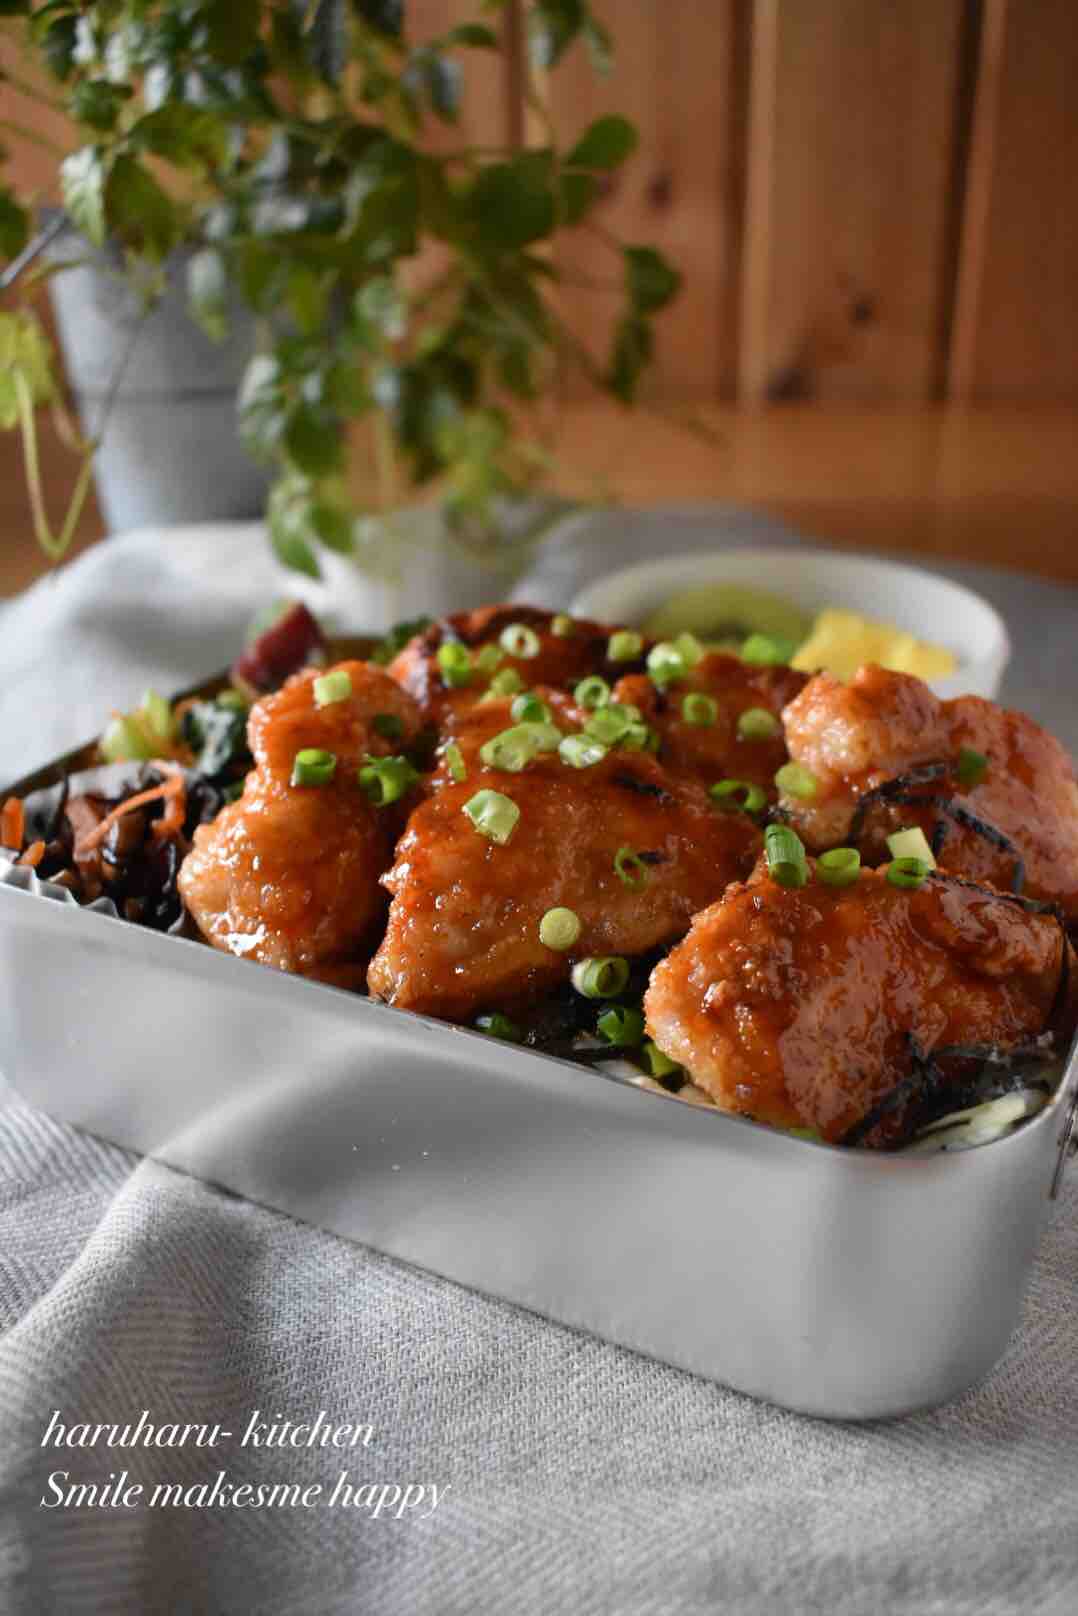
[{"x": 572, "y": 1476}]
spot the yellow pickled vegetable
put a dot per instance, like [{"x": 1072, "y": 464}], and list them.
[{"x": 842, "y": 641}]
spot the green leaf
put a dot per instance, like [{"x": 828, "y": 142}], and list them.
[
  {"x": 381, "y": 310},
  {"x": 262, "y": 406},
  {"x": 207, "y": 293},
  {"x": 288, "y": 514},
  {"x": 384, "y": 16},
  {"x": 58, "y": 46},
  {"x": 604, "y": 144},
  {"x": 578, "y": 193},
  {"x": 230, "y": 30},
  {"x": 552, "y": 27},
  {"x": 475, "y": 34},
  {"x": 184, "y": 134},
  {"x": 600, "y": 45},
  {"x": 333, "y": 527},
  {"x": 512, "y": 203},
  {"x": 97, "y": 103},
  {"x": 139, "y": 211},
  {"x": 631, "y": 353},
  {"x": 312, "y": 440},
  {"x": 82, "y": 185},
  {"x": 441, "y": 79},
  {"x": 14, "y": 225},
  {"x": 24, "y": 350},
  {"x": 651, "y": 281},
  {"x": 14, "y": 8},
  {"x": 307, "y": 293}
]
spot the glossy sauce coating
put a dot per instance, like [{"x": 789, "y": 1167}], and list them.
[
  {"x": 796, "y": 1006},
  {"x": 289, "y": 875},
  {"x": 714, "y": 751},
  {"x": 463, "y": 932},
  {"x": 855, "y": 736},
  {"x": 561, "y": 661}
]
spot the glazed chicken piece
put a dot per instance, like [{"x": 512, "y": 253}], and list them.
[
  {"x": 804, "y": 1007},
  {"x": 289, "y": 875},
  {"x": 555, "y": 660},
  {"x": 714, "y": 750},
  {"x": 855, "y": 738},
  {"x": 463, "y": 932}
]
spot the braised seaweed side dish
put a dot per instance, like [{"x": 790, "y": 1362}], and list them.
[{"x": 840, "y": 909}]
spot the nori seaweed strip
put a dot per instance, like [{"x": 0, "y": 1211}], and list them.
[
  {"x": 889, "y": 790},
  {"x": 923, "y": 1071},
  {"x": 1032, "y": 906},
  {"x": 945, "y": 805}
]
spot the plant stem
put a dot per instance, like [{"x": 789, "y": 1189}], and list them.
[
  {"x": 385, "y": 461},
  {"x": 54, "y": 547}
]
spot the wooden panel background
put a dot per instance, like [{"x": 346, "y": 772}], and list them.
[{"x": 871, "y": 199}]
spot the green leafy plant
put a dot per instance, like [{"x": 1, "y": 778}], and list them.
[{"x": 407, "y": 294}]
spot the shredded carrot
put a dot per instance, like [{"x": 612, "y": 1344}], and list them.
[
  {"x": 33, "y": 855},
  {"x": 172, "y": 791},
  {"x": 12, "y": 823}
]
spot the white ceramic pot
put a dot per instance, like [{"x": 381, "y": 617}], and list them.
[
  {"x": 409, "y": 565},
  {"x": 931, "y": 607}
]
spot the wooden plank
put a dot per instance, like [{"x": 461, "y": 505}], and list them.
[
  {"x": 853, "y": 120},
  {"x": 1016, "y": 317},
  {"x": 674, "y": 77}
]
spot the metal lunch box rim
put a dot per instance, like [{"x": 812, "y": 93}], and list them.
[
  {"x": 359, "y": 645},
  {"x": 1063, "y": 1100}
]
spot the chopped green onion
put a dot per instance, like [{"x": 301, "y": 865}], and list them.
[
  {"x": 661, "y": 1065},
  {"x": 387, "y": 725},
  {"x": 972, "y": 766},
  {"x": 665, "y": 663},
  {"x": 512, "y": 749},
  {"x": 624, "y": 646},
  {"x": 158, "y": 715},
  {"x": 765, "y": 652},
  {"x": 493, "y": 815},
  {"x": 455, "y": 664},
  {"x": 631, "y": 869},
  {"x": 313, "y": 767},
  {"x": 563, "y": 626},
  {"x": 385, "y": 780},
  {"x": 738, "y": 796},
  {"x": 639, "y": 738},
  {"x": 689, "y": 649},
  {"x": 530, "y": 708},
  {"x": 489, "y": 658},
  {"x": 559, "y": 929},
  {"x": 518, "y": 640},
  {"x": 907, "y": 872},
  {"x": 498, "y": 1026},
  {"x": 124, "y": 742},
  {"x": 581, "y": 751},
  {"x": 795, "y": 781},
  {"x": 601, "y": 978},
  {"x": 911, "y": 843},
  {"x": 700, "y": 710},
  {"x": 592, "y": 692},
  {"x": 621, "y": 1025},
  {"x": 785, "y": 854},
  {"x": 757, "y": 724},
  {"x": 505, "y": 683},
  {"x": 840, "y": 867},
  {"x": 234, "y": 700},
  {"x": 331, "y": 687},
  {"x": 610, "y": 724},
  {"x": 454, "y": 758}
]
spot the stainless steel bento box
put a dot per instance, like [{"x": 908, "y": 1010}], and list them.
[{"x": 839, "y": 1283}]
